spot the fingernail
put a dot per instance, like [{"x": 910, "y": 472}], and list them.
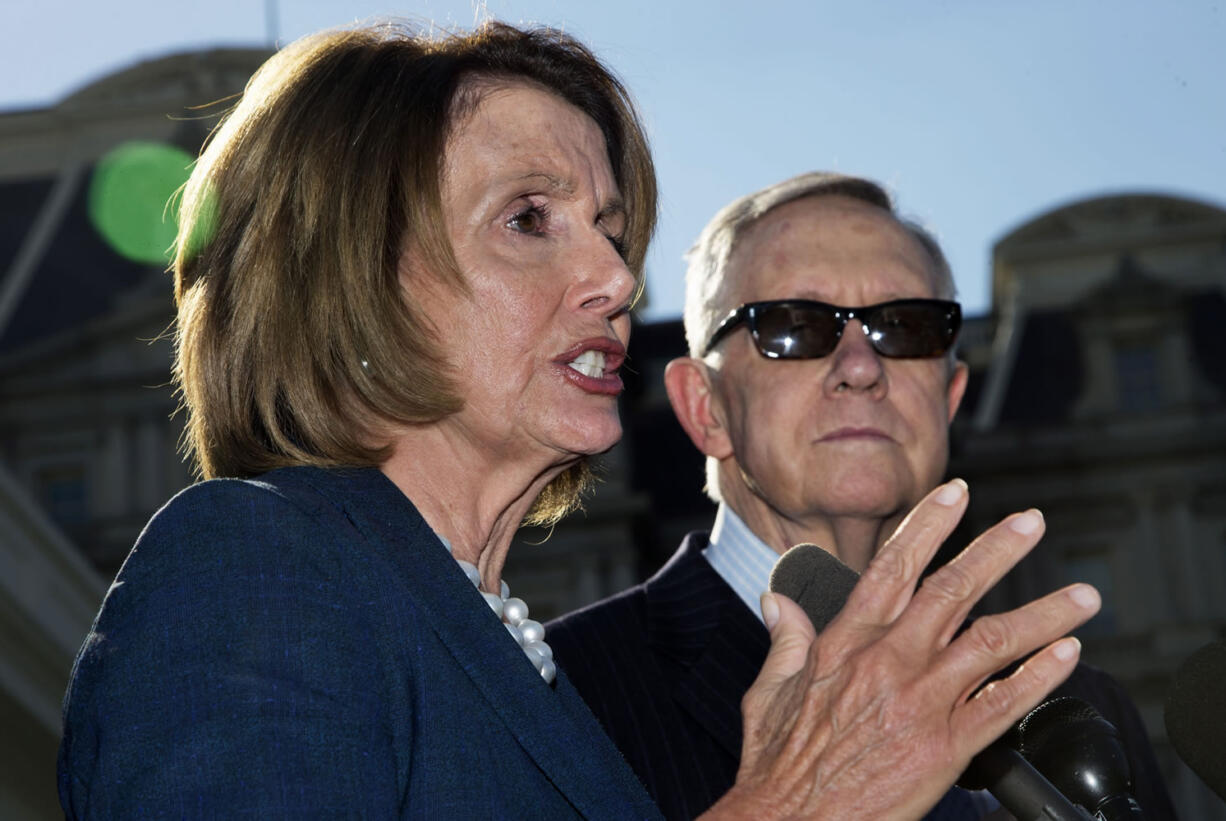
[
  {"x": 770, "y": 610},
  {"x": 1066, "y": 649},
  {"x": 951, "y": 493},
  {"x": 1085, "y": 596},
  {"x": 1026, "y": 523}
]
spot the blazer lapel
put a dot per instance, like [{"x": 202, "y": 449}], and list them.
[
  {"x": 553, "y": 725},
  {"x": 717, "y": 646}
]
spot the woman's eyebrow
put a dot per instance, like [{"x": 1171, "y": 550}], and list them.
[
  {"x": 614, "y": 207},
  {"x": 555, "y": 184}
]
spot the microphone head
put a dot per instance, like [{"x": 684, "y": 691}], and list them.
[
  {"x": 1045, "y": 723},
  {"x": 1194, "y": 714},
  {"x": 1079, "y": 751},
  {"x": 815, "y": 580}
]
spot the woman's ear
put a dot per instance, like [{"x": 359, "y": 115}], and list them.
[{"x": 695, "y": 402}]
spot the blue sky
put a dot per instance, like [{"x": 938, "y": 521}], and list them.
[{"x": 977, "y": 115}]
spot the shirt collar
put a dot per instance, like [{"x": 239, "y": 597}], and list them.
[{"x": 742, "y": 559}]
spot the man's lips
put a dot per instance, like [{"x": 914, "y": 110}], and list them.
[
  {"x": 592, "y": 364},
  {"x": 847, "y": 434}
]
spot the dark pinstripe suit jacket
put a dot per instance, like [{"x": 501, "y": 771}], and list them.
[{"x": 664, "y": 666}]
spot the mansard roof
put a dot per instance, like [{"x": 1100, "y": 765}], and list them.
[
  {"x": 195, "y": 76},
  {"x": 56, "y": 271},
  {"x": 1112, "y": 219}
]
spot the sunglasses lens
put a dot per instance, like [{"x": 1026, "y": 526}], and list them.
[
  {"x": 912, "y": 329},
  {"x": 796, "y": 330}
]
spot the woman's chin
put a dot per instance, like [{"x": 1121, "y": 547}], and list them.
[{"x": 597, "y": 436}]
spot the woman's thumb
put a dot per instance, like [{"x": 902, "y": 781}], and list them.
[{"x": 792, "y": 635}]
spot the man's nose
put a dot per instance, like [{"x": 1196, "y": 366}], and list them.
[{"x": 855, "y": 365}]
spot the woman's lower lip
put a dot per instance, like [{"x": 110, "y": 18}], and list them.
[{"x": 610, "y": 384}]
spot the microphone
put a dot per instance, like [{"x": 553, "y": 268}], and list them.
[
  {"x": 1080, "y": 752},
  {"x": 815, "y": 580},
  {"x": 1194, "y": 716},
  {"x": 1018, "y": 786},
  {"x": 821, "y": 584}
]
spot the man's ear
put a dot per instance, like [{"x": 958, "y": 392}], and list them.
[
  {"x": 957, "y": 387},
  {"x": 692, "y": 395}
]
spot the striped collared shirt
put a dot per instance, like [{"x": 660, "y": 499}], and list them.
[{"x": 742, "y": 559}]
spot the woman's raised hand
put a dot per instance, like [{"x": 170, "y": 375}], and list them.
[{"x": 878, "y": 715}]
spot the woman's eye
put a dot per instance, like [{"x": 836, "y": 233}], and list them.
[
  {"x": 619, "y": 245},
  {"x": 529, "y": 221}
]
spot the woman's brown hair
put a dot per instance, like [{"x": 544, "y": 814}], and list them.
[{"x": 296, "y": 342}]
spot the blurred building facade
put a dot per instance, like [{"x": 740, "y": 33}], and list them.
[
  {"x": 1100, "y": 397},
  {"x": 1098, "y": 393},
  {"x": 87, "y": 437}
]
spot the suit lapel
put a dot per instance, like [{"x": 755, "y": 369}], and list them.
[
  {"x": 553, "y": 725},
  {"x": 707, "y": 635}
]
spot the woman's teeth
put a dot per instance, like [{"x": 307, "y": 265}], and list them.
[{"x": 589, "y": 363}]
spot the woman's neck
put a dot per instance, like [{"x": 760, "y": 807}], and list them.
[{"x": 473, "y": 501}]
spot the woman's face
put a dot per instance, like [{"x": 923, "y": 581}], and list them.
[{"x": 535, "y": 217}]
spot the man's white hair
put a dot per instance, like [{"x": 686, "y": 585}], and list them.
[
  {"x": 706, "y": 282},
  {"x": 708, "y": 285}
]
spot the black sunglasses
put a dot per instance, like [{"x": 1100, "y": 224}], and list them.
[{"x": 805, "y": 329}]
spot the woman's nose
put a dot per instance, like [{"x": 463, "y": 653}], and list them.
[{"x": 606, "y": 284}]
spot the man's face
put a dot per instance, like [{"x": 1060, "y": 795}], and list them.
[{"x": 850, "y": 434}]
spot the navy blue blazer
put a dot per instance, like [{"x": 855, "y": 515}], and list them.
[
  {"x": 664, "y": 666},
  {"x": 301, "y": 645}
]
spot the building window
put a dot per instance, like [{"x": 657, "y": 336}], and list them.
[
  {"x": 1137, "y": 380},
  {"x": 1094, "y": 568},
  {"x": 63, "y": 492}
]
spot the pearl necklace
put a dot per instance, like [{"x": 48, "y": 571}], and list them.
[{"x": 528, "y": 634}]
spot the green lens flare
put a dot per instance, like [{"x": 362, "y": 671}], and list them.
[
  {"x": 204, "y": 225},
  {"x": 129, "y": 199}
]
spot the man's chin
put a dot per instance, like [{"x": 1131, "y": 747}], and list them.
[{"x": 865, "y": 495}]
